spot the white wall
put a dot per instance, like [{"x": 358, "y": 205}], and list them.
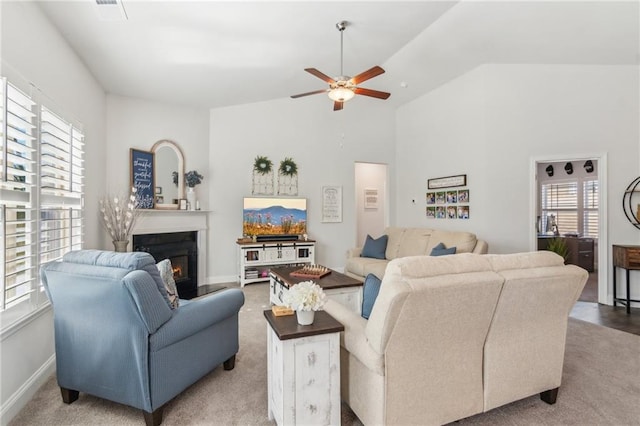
[
  {"x": 33, "y": 52},
  {"x": 325, "y": 144},
  {"x": 135, "y": 123},
  {"x": 370, "y": 221},
  {"x": 490, "y": 122},
  {"x": 443, "y": 134}
]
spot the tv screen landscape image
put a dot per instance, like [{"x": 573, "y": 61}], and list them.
[{"x": 274, "y": 216}]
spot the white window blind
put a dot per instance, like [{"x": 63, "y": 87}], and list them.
[
  {"x": 61, "y": 186},
  {"x": 561, "y": 201},
  {"x": 590, "y": 208},
  {"x": 574, "y": 204},
  {"x": 41, "y": 196},
  {"x": 17, "y": 210}
]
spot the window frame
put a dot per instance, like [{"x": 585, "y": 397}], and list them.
[{"x": 37, "y": 200}]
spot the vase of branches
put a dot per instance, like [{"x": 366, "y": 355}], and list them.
[{"x": 119, "y": 214}]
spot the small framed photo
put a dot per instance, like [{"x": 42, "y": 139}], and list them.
[
  {"x": 463, "y": 212},
  {"x": 431, "y": 197},
  {"x": 183, "y": 204},
  {"x": 441, "y": 213},
  {"x": 159, "y": 199},
  {"x": 431, "y": 212},
  {"x": 441, "y": 197},
  {"x": 463, "y": 196},
  {"x": 452, "y": 197},
  {"x": 452, "y": 212},
  {"x": 158, "y": 190}
]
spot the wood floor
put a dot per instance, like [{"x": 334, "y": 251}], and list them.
[{"x": 587, "y": 309}]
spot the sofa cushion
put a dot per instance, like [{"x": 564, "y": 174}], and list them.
[
  {"x": 464, "y": 242},
  {"x": 370, "y": 291},
  {"x": 414, "y": 242},
  {"x": 393, "y": 245},
  {"x": 375, "y": 248},
  {"x": 166, "y": 273},
  {"x": 441, "y": 250},
  {"x": 363, "y": 266}
]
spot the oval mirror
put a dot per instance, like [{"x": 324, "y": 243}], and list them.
[{"x": 169, "y": 173}]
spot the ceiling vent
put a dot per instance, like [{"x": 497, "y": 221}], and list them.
[{"x": 111, "y": 10}]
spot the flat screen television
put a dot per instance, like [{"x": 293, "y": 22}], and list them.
[{"x": 276, "y": 218}]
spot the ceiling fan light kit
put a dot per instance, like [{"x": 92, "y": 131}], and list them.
[{"x": 343, "y": 88}]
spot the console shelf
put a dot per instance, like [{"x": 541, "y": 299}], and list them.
[{"x": 256, "y": 259}]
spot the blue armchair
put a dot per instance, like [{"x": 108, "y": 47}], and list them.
[{"x": 117, "y": 338}]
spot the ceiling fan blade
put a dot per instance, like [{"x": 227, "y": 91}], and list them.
[
  {"x": 320, "y": 75},
  {"x": 370, "y": 73},
  {"x": 372, "y": 93},
  {"x": 309, "y": 93},
  {"x": 337, "y": 106}
]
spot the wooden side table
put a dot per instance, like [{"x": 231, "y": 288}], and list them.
[
  {"x": 303, "y": 370},
  {"x": 628, "y": 258}
]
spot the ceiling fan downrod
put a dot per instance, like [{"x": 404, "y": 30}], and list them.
[{"x": 341, "y": 26}]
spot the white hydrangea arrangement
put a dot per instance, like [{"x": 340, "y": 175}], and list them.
[
  {"x": 119, "y": 214},
  {"x": 305, "y": 296}
]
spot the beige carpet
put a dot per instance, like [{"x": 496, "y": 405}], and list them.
[{"x": 601, "y": 386}]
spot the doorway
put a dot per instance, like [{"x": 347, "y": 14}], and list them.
[
  {"x": 568, "y": 209},
  {"x": 372, "y": 206}
]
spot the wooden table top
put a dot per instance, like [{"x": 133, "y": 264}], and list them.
[
  {"x": 287, "y": 327},
  {"x": 333, "y": 280}
]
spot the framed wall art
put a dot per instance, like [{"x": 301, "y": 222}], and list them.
[
  {"x": 371, "y": 198},
  {"x": 143, "y": 177},
  {"x": 447, "y": 182},
  {"x": 331, "y": 204}
]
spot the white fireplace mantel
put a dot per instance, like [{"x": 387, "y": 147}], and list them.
[{"x": 165, "y": 221}]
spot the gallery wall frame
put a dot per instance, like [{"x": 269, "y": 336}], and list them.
[{"x": 447, "y": 182}]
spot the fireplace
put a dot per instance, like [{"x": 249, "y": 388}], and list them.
[{"x": 181, "y": 248}]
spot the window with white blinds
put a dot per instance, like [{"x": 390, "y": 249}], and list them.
[
  {"x": 17, "y": 208},
  {"x": 61, "y": 186},
  {"x": 41, "y": 196},
  {"x": 574, "y": 206},
  {"x": 590, "y": 208}
]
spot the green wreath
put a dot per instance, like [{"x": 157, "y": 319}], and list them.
[
  {"x": 288, "y": 167},
  {"x": 262, "y": 165}
]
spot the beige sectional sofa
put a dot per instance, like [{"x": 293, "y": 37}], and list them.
[
  {"x": 405, "y": 242},
  {"x": 453, "y": 336}
]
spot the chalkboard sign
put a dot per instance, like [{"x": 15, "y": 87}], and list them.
[{"x": 142, "y": 177}]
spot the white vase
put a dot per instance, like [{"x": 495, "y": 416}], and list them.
[
  {"x": 191, "y": 197},
  {"x": 305, "y": 317}
]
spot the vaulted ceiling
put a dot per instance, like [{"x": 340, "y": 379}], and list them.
[{"x": 220, "y": 53}]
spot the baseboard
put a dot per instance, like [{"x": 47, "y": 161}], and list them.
[
  {"x": 221, "y": 279},
  {"x": 19, "y": 399}
]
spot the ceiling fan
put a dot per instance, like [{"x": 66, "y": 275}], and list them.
[{"x": 343, "y": 88}]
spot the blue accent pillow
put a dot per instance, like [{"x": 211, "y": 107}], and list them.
[
  {"x": 375, "y": 248},
  {"x": 441, "y": 250},
  {"x": 371, "y": 288}
]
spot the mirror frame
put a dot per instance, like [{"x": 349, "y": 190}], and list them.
[{"x": 174, "y": 146}]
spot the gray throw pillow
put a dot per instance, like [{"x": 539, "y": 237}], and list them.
[
  {"x": 375, "y": 248},
  {"x": 441, "y": 250},
  {"x": 166, "y": 273}
]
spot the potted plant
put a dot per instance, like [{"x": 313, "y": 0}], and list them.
[
  {"x": 559, "y": 246},
  {"x": 192, "y": 179},
  {"x": 305, "y": 298}
]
